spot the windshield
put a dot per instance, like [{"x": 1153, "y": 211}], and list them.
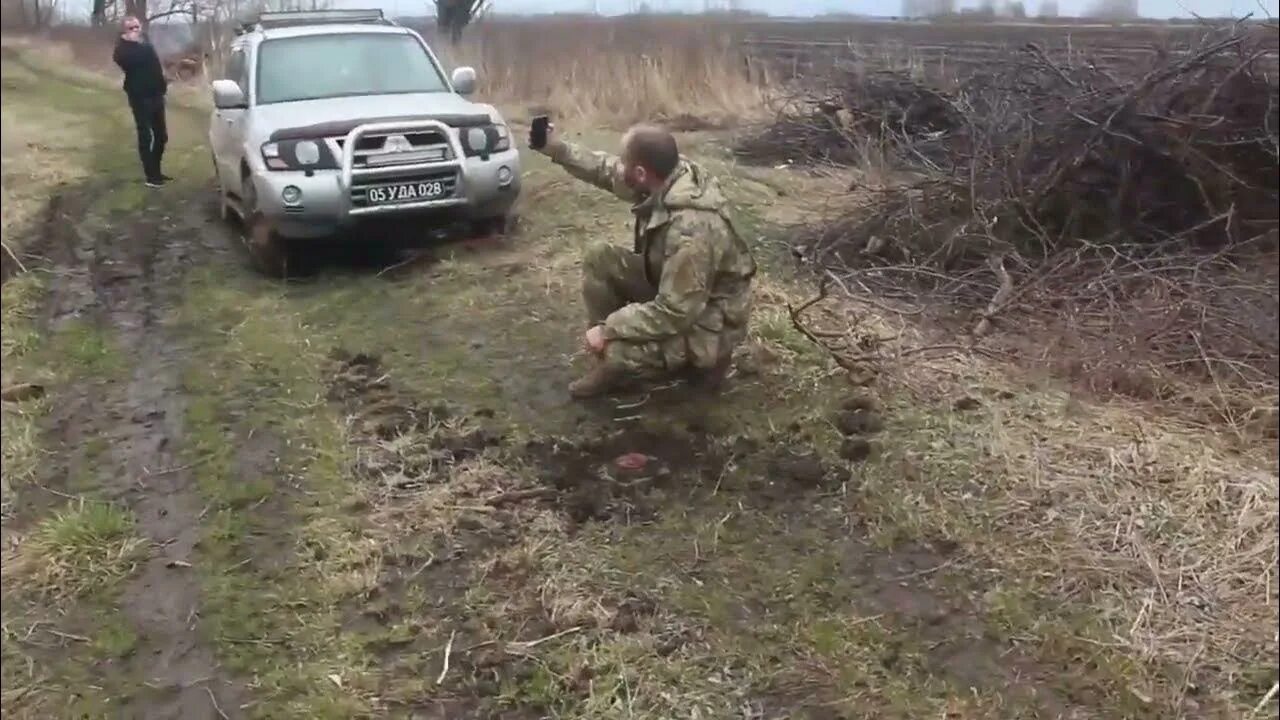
[{"x": 326, "y": 66}]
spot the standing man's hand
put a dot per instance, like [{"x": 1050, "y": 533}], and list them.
[{"x": 595, "y": 341}]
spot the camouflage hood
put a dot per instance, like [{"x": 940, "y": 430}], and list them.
[{"x": 690, "y": 188}]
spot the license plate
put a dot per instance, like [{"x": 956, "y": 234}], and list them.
[{"x": 407, "y": 192}]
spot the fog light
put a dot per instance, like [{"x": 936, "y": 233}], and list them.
[
  {"x": 292, "y": 195},
  {"x": 504, "y": 175}
]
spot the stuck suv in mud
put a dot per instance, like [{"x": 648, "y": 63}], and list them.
[{"x": 327, "y": 118}]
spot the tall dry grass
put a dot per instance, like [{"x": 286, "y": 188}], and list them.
[{"x": 687, "y": 72}]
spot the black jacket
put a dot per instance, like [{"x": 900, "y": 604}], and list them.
[{"x": 143, "y": 74}]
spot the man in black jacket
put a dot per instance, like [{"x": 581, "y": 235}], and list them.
[{"x": 145, "y": 86}]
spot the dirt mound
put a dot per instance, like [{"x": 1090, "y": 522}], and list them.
[{"x": 619, "y": 477}]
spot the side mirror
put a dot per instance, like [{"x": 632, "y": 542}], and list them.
[
  {"x": 464, "y": 80},
  {"x": 228, "y": 95}
]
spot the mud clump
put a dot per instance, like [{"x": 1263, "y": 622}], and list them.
[
  {"x": 631, "y": 612},
  {"x": 858, "y": 418},
  {"x": 802, "y": 469},
  {"x": 858, "y": 422},
  {"x": 21, "y": 392},
  {"x": 858, "y": 449}
]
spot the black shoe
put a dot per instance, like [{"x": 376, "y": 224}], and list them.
[
  {"x": 156, "y": 183},
  {"x": 165, "y": 178}
]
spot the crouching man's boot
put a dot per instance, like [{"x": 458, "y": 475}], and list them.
[
  {"x": 599, "y": 380},
  {"x": 713, "y": 377}
]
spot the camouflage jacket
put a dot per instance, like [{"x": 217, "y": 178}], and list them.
[{"x": 693, "y": 253}]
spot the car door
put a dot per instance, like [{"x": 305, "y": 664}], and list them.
[{"x": 228, "y": 123}]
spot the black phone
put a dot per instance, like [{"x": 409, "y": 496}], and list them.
[{"x": 538, "y": 131}]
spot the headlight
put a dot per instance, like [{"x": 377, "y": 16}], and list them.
[
  {"x": 298, "y": 155},
  {"x": 307, "y": 152},
  {"x": 485, "y": 139},
  {"x": 271, "y": 156},
  {"x": 504, "y": 138}
]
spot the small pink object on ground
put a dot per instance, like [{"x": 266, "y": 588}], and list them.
[{"x": 632, "y": 461}]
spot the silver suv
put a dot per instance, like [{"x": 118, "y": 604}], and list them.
[{"x": 326, "y": 118}]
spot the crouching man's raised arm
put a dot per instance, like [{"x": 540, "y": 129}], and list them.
[{"x": 601, "y": 169}]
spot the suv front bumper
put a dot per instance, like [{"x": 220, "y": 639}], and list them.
[{"x": 331, "y": 200}]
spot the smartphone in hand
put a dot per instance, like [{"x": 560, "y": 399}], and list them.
[{"x": 538, "y": 132}]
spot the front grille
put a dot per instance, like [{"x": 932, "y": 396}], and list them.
[
  {"x": 423, "y": 146},
  {"x": 417, "y": 139},
  {"x": 360, "y": 185}
]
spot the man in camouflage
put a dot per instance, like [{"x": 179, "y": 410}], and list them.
[{"x": 678, "y": 301}]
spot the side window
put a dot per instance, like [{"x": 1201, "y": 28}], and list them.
[{"x": 237, "y": 70}]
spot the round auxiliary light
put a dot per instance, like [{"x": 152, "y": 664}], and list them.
[
  {"x": 307, "y": 152},
  {"x": 504, "y": 175},
  {"x": 291, "y": 195}
]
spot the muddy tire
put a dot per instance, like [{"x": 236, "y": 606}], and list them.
[
  {"x": 268, "y": 250},
  {"x": 220, "y": 191},
  {"x": 487, "y": 227}
]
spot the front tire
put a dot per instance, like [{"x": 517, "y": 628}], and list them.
[
  {"x": 267, "y": 248},
  {"x": 220, "y": 189},
  {"x": 489, "y": 227}
]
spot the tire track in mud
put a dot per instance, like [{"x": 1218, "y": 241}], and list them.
[{"x": 124, "y": 276}]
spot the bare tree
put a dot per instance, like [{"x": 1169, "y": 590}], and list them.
[
  {"x": 453, "y": 16},
  {"x": 28, "y": 14},
  {"x": 1048, "y": 8}
]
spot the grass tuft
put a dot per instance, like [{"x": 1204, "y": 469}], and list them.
[{"x": 80, "y": 550}]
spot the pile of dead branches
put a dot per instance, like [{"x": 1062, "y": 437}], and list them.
[
  {"x": 1134, "y": 217},
  {"x": 827, "y": 124}
]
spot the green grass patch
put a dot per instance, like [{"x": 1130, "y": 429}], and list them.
[
  {"x": 279, "y": 555},
  {"x": 84, "y": 349},
  {"x": 83, "y": 549}
]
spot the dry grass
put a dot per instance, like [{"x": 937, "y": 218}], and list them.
[
  {"x": 40, "y": 149},
  {"x": 682, "y": 71},
  {"x": 1166, "y": 531}
]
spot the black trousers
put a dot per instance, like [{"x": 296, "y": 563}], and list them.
[{"x": 148, "y": 118}]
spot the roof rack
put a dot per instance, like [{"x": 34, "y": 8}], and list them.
[{"x": 295, "y": 18}]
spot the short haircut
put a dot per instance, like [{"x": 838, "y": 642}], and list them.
[{"x": 652, "y": 148}]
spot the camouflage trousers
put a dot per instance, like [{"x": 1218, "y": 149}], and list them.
[{"x": 614, "y": 277}]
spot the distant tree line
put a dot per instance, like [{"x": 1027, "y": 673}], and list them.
[{"x": 1015, "y": 9}]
